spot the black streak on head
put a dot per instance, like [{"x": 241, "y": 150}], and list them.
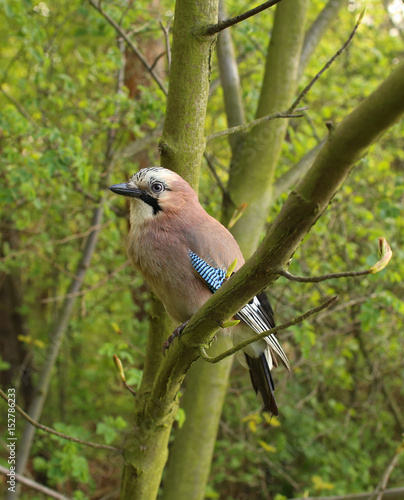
[{"x": 153, "y": 202}]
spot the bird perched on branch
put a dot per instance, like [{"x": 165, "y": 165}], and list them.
[{"x": 184, "y": 253}]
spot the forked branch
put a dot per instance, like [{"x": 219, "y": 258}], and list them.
[
  {"x": 97, "y": 5},
  {"x": 293, "y": 110},
  {"x": 49, "y": 430}
]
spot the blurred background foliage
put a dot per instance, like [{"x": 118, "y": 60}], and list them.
[{"x": 341, "y": 408}]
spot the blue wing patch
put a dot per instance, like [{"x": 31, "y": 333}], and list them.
[
  {"x": 212, "y": 276},
  {"x": 257, "y": 314}
]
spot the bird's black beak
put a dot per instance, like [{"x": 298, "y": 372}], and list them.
[{"x": 126, "y": 190}]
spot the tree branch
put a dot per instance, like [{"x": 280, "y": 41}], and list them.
[
  {"x": 255, "y": 338},
  {"x": 381, "y": 487},
  {"x": 34, "y": 485},
  {"x": 56, "y": 336},
  {"x": 19, "y": 106},
  {"x": 296, "y": 172},
  {"x": 216, "y": 177},
  {"x": 87, "y": 290},
  {"x": 138, "y": 145},
  {"x": 308, "y": 87},
  {"x": 323, "y": 277},
  {"x": 254, "y": 123},
  {"x": 316, "y": 31},
  {"x": 385, "y": 256},
  {"x": 230, "y": 80},
  {"x": 125, "y": 36},
  {"x": 216, "y": 28},
  {"x": 49, "y": 430},
  {"x": 166, "y": 31}
]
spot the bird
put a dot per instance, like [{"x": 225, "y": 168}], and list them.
[{"x": 184, "y": 254}]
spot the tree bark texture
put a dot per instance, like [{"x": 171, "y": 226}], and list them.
[
  {"x": 183, "y": 141},
  {"x": 206, "y": 385},
  {"x": 181, "y": 146}
]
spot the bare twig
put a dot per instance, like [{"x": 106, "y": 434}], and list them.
[
  {"x": 157, "y": 59},
  {"x": 57, "y": 334},
  {"x": 291, "y": 112},
  {"x": 166, "y": 31},
  {"x": 49, "y": 430},
  {"x": 272, "y": 464},
  {"x": 284, "y": 326},
  {"x": 296, "y": 172},
  {"x": 97, "y": 199},
  {"x": 19, "y": 106},
  {"x": 139, "y": 145},
  {"x": 230, "y": 80},
  {"x": 34, "y": 485},
  {"x": 308, "y": 87},
  {"x": 125, "y": 36},
  {"x": 87, "y": 290},
  {"x": 216, "y": 28},
  {"x": 84, "y": 234},
  {"x": 217, "y": 178},
  {"x": 391, "y": 402},
  {"x": 381, "y": 487},
  {"x": 316, "y": 31},
  {"x": 323, "y": 277},
  {"x": 254, "y": 123}
]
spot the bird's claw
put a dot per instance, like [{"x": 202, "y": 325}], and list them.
[{"x": 176, "y": 333}]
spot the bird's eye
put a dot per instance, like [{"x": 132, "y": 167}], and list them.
[{"x": 157, "y": 187}]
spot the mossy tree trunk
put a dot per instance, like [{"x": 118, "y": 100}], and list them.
[
  {"x": 254, "y": 163},
  {"x": 181, "y": 146},
  {"x": 206, "y": 387}
]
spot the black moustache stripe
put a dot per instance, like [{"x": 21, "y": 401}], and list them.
[{"x": 153, "y": 202}]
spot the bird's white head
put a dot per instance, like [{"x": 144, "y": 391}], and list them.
[{"x": 155, "y": 192}]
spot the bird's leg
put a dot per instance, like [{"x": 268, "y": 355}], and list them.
[{"x": 176, "y": 333}]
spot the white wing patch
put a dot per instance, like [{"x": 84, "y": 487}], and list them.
[{"x": 253, "y": 315}]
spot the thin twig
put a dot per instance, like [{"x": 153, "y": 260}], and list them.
[
  {"x": 290, "y": 113},
  {"x": 125, "y": 36},
  {"x": 59, "y": 434},
  {"x": 381, "y": 487},
  {"x": 157, "y": 59},
  {"x": 57, "y": 266},
  {"x": 308, "y": 87},
  {"x": 19, "y": 106},
  {"x": 217, "y": 28},
  {"x": 254, "y": 123},
  {"x": 255, "y": 338},
  {"x": 97, "y": 199},
  {"x": 225, "y": 193},
  {"x": 34, "y": 485},
  {"x": 166, "y": 31},
  {"x": 323, "y": 277},
  {"x": 87, "y": 290},
  {"x": 61, "y": 323},
  {"x": 84, "y": 234}
]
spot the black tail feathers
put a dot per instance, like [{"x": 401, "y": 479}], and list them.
[{"x": 263, "y": 382}]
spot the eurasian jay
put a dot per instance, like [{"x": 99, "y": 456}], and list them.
[{"x": 184, "y": 253}]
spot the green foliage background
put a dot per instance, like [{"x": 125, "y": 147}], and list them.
[{"x": 336, "y": 432}]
